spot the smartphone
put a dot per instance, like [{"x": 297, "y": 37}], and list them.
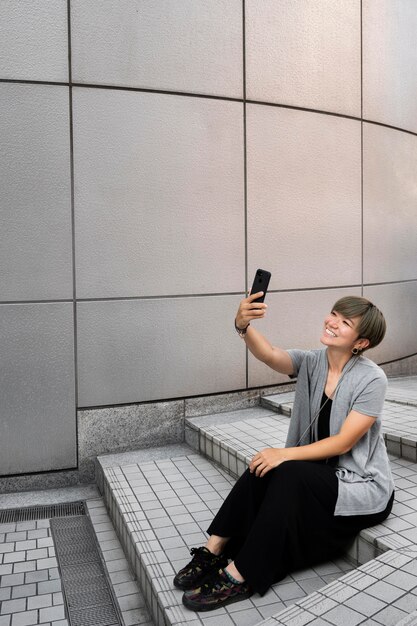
[{"x": 260, "y": 283}]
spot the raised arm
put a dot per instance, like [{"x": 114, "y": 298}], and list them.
[{"x": 276, "y": 358}]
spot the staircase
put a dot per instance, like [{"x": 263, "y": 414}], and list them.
[{"x": 161, "y": 500}]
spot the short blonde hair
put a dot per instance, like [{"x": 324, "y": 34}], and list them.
[{"x": 372, "y": 324}]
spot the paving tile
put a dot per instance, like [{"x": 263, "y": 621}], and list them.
[
  {"x": 135, "y": 616},
  {"x": 343, "y": 615},
  {"x": 27, "y": 566},
  {"x": 122, "y": 576},
  {"x": 365, "y": 604},
  {"x": 36, "y": 577},
  {"x": 246, "y": 618},
  {"x": 289, "y": 591},
  {"x": 11, "y": 580},
  {"x": 25, "y": 619},
  {"x": 47, "y": 563},
  {"x": 14, "y": 557},
  {"x": 49, "y": 586},
  {"x": 403, "y": 580},
  {"x": 23, "y": 591},
  {"x": 132, "y": 601},
  {"x": 319, "y": 605},
  {"x": 222, "y": 620},
  {"x": 16, "y": 536},
  {"x": 309, "y": 585},
  {"x": 270, "y": 609},
  {"x": 39, "y": 602},
  {"x": 53, "y": 573},
  {"x": 37, "y": 534},
  {"x": 41, "y": 553},
  {"x": 57, "y": 598},
  {"x": 125, "y": 588},
  {"x": 116, "y": 566},
  {"x": 13, "y": 606},
  {"x": 303, "y": 574},
  {"x": 385, "y": 592},
  {"x": 25, "y": 526},
  {"x": 5, "y": 593},
  {"x": 51, "y": 614},
  {"x": 407, "y": 603},
  {"x": 390, "y": 615}
]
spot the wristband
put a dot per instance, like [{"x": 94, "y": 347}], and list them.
[{"x": 241, "y": 331}]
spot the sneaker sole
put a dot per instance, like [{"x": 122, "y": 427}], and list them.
[{"x": 196, "y": 606}]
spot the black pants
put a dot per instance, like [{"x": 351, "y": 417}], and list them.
[{"x": 285, "y": 521}]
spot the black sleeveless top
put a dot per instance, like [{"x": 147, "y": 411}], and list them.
[{"x": 323, "y": 427}]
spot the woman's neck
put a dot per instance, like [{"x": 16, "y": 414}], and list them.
[{"x": 337, "y": 360}]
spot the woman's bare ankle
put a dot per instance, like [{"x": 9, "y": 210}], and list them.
[
  {"x": 216, "y": 544},
  {"x": 234, "y": 572}
]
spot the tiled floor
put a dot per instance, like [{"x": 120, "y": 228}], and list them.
[
  {"x": 30, "y": 587},
  {"x": 30, "y": 584}
]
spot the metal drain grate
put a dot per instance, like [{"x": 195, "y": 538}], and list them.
[
  {"x": 88, "y": 594},
  {"x": 50, "y": 511}
]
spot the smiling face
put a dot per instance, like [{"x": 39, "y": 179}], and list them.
[{"x": 341, "y": 333}]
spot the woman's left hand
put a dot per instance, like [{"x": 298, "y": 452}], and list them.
[{"x": 265, "y": 460}]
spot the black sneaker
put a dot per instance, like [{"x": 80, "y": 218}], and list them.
[
  {"x": 203, "y": 563},
  {"x": 216, "y": 591}
]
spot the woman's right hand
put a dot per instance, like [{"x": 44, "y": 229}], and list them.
[{"x": 249, "y": 310}]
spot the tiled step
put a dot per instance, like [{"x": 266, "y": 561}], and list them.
[
  {"x": 233, "y": 443},
  {"x": 279, "y": 402},
  {"x": 403, "y": 390},
  {"x": 379, "y": 592},
  {"x": 161, "y": 502},
  {"x": 161, "y": 509},
  {"x": 399, "y": 419}
]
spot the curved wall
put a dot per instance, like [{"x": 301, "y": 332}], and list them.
[{"x": 154, "y": 154}]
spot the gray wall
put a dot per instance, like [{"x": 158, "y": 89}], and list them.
[{"x": 153, "y": 155}]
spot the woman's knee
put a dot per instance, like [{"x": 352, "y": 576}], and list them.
[
  {"x": 290, "y": 472},
  {"x": 289, "y": 468}
]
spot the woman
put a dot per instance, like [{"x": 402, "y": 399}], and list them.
[{"x": 304, "y": 503}]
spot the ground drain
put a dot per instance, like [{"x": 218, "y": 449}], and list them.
[
  {"x": 28, "y": 514},
  {"x": 87, "y": 591}
]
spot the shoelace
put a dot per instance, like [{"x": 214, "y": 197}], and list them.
[{"x": 198, "y": 557}]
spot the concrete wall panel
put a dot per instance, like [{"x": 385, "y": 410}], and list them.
[
  {"x": 37, "y": 399},
  {"x": 137, "y": 350},
  {"x": 304, "y": 197},
  {"x": 390, "y": 62},
  {"x": 34, "y": 40},
  {"x": 192, "y": 45},
  {"x": 390, "y": 204},
  {"x": 294, "y": 320},
  {"x": 35, "y": 194},
  {"x": 305, "y": 54},
  {"x": 170, "y": 223},
  {"x": 398, "y": 302}
]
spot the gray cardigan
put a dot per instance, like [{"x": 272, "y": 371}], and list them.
[{"x": 364, "y": 473}]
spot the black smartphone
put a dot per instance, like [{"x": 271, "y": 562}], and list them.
[{"x": 260, "y": 283}]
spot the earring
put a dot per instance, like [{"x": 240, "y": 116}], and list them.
[{"x": 355, "y": 351}]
